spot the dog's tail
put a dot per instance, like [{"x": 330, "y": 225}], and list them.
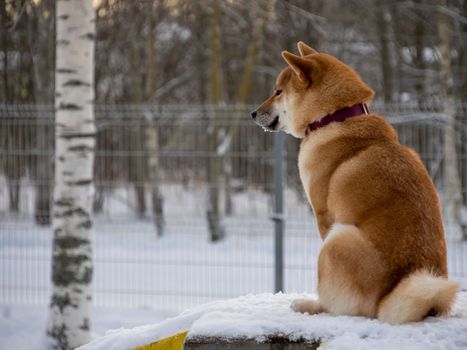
[{"x": 416, "y": 296}]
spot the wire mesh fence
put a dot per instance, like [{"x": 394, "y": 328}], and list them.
[{"x": 167, "y": 178}]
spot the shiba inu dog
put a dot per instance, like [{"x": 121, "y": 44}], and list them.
[{"x": 377, "y": 210}]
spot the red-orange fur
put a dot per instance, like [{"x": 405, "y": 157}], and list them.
[{"x": 384, "y": 251}]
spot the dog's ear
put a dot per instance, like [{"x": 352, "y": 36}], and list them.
[
  {"x": 301, "y": 66},
  {"x": 304, "y": 49}
]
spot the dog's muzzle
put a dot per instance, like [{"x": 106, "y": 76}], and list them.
[{"x": 266, "y": 120}]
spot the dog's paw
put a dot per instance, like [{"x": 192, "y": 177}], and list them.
[{"x": 309, "y": 306}]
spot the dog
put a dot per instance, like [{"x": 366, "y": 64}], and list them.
[{"x": 377, "y": 210}]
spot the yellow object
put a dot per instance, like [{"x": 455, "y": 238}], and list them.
[{"x": 174, "y": 342}]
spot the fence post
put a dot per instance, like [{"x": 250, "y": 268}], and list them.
[{"x": 278, "y": 215}]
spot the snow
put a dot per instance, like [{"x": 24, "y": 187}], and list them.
[
  {"x": 133, "y": 268},
  {"x": 257, "y": 317},
  {"x": 161, "y": 277},
  {"x": 22, "y": 327}
]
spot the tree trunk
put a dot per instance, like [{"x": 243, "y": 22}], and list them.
[
  {"x": 152, "y": 147},
  {"x": 13, "y": 184},
  {"x": 42, "y": 43},
  {"x": 453, "y": 194},
  {"x": 215, "y": 226},
  {"x": 12, "y": 169},
  {"x": 4, "y": 42},
  {"x": 398, "y": 38},
  {"x": 242, "y": 95},
  {"x": 11, "y": 134},
  {"x": 419, "y": 59},
  {"x": 151, "y": 139},
  {"x": 135, "y": 88},
  {"x": 462, "y": 105},
  {"x": 253, "y": 49},
  {"x": 384, "y": 24},
  {"x": 463, "y": 58},
  {"x": 98, "y": 201},
  {"x": 70, "y": 305}
]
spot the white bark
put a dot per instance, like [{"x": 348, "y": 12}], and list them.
[
  {"x": 70, "y": 306},
  {"x": 152, "y": 141},
  {"x": 152, "y": 146}
]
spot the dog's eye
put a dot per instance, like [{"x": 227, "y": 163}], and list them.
[{"x": 278, "y": 92}]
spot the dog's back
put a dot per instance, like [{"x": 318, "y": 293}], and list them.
[{"x": 379, "y": 216}]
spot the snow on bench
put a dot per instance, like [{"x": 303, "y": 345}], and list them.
[{"x": 253, "y": 321}]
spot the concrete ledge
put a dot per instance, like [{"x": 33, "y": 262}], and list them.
[{"x": 272, "y": 343}]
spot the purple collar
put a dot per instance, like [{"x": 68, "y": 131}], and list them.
[{"x": 338, "y": 116}]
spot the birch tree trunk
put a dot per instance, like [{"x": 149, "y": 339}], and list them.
[
  {"x": 453, "y": 194},
  {"x": 215, "y": 226},
  {"x": 243, "y": 92},
  {"x": 151, "y": 139},
  {"x": 70, "y": 304},
  {"x": 152, "y": 147}
]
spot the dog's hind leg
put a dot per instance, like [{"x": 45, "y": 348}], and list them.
[{"x": 350, "y": 273}]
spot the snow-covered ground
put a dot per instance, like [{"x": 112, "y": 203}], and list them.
[
  {"x": 22, "y": 327},
  {"x": 135, "y": 270},
  {"x": 157, "y": 278},
  {"x": 259, "y": 317}
]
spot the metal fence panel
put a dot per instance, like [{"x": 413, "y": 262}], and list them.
[{"x": 136, "y": 267}]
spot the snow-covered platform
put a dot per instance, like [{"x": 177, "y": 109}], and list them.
[{"x": 265, "y": 321}]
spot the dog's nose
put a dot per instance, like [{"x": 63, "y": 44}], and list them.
[{"x": 253, "y": 114}]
